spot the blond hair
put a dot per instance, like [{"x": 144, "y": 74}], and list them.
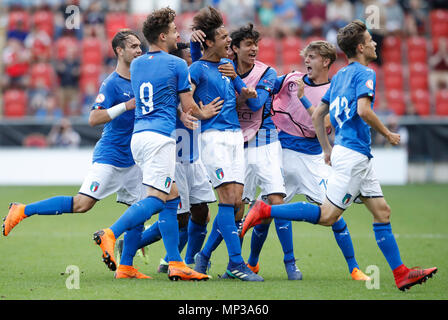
[{"x": 325, "y": 49}]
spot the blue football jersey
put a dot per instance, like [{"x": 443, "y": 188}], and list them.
[
  {"x": 347, "y": 86},
  {"x": 210, "y": 84},
  {"x": 157, "y": 79},
  {"x": 114, "y": 146}
]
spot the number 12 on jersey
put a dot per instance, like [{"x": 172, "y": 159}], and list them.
[
  {"x": 340, "y": 104},
  {"x": 148, "y": 104}
]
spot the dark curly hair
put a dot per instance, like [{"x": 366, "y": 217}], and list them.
[
  {"x": 246, "y": 32},
  {"x": 157, "y": 23},
  {"x": 208, "y": 20}
]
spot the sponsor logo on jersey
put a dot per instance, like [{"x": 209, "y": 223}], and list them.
[
  {"x": 94, "y": 186},
  {"x": 347, "y": 198},
  {"x": 219, "y": 173}
]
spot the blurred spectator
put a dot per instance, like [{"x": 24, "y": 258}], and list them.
[
  {"x": 339, "y": 13},
  {"x": 50, "y": 109},
  {"x": 193, "y": 5},
  {"x": 16, "y": 61},
  {"x": 438, "y": 64},
  {"x": 63, "y": 135},
  {"x": 38, "y": 42},
  {"x": 37, "y": 97},
  {"x": 88, "y": 99},
  {"x": 117, "y": 5},
  {"x": 68, "y": 71},
  {"x": 394, "y": 17},
  {"x": 240, "y": 17},
  {"x": 287, "y": 19},
  {"x": 266, "y": 14},
  {"x": 19, "y": 32},
  {"x": 415, "y": 18},
  {"x": 94, "y": 20},
  {"x": 314, "y": 17}
]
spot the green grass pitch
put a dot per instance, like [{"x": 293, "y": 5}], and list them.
[{"x": 35, "y": 256}]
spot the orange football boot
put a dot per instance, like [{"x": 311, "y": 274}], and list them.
[
  {"x": 259, "y": 212},
  {"x": 15, "y": 215},
  {"x": 129, "y": 272},
  {"x": 105, "y": 238},
  {"x": 359, "y": 275},
  {"x": 178, "y": 270}
]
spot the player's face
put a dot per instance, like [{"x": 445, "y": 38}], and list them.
[
  {"x": 369, "y": 47},
  {"x": 222, "y": 42},
  {"x": 314, "y": 64},
  {"x": 132, "y": 49},
  {"x": 172, "y": 37},
  {"x": 247, "y": 52}
]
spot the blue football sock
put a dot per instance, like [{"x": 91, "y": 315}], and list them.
[
  {"x": 183, "y": 238},
  {"x": 213, "y": 240},
  {"x": 386, "y": 241},
  {"x": 51, "y": 206},
  {"x": 344, "y": 241},
  {"x": 196, "y": 236},
  {"x": 150, "y": 235},
  {"x": 169, "y": 228},
  {"x": 226, "y": 224},
  {"x": 259, "y": 235},
  {"x": 238, "y": 225},
  {"x": 298, "y": 211},
  {"x": 136, "y": 215},
  {"x": 131, "y": 242},
  {"x": 284, "y": 233}
]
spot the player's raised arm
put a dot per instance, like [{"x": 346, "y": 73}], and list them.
[
  {"x": 318, "y": 122},
  {"x": 101, "y": 116},
  {"x": 368, "y": 115}
]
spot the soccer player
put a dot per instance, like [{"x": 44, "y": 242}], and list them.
[
  {"x": 304, "y": 168},
  {"x": 263, "y": 158},
  {"x": 222, "y": 142},
  {"x": 159, "y": 80},
  {"x": 113, "y": 169},
  {"x": 349, "y": 101}
]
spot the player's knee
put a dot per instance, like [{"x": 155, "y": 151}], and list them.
[
  {"x": 200, "y": 213},
  {"x": 182, "y": 219},
  {"x": 327, "y": 217},
  {"x": 384, "y": 213},
  {"x": 82, "y": 204}
]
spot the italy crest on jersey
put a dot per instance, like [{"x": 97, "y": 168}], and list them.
[
  {"x": 219, "y": 173},
  {"x": 94, "y": 186},
  {"x": 167, "y": 182},
  {"x": 347, "y": 198}
]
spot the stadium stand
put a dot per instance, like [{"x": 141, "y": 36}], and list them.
[{"x": 403, "y": 78}]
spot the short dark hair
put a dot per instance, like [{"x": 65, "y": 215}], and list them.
[
  {"x": 157, "y": 22},
  {"x": 181, "y": 46},
  {"x": 120, "y": 37},
  {"x": 350, "y": 36},
  {"x": 243, "y": 33},
  {"x": 208, "y": 20}
]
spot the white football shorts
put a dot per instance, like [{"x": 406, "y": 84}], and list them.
[
  {"x": 305, "y": 174},
  {"x": 222, "y": 153},
  {"x": 155, "y": 154},
  {"x": 352, "y": 175},
  {"x": 103, "y": 180},
  {"x": 263, "y": 169},
  {"x": 193, "y": 184}
]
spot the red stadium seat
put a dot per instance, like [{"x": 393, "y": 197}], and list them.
[
  {"x": 418, "y": 76},
  {"x": 290, "y": 50},
  {"x": 62, "y": 44},
  {"x": 267, "y": 51},
  {"x": 18, "y": 15},
  {"x": 393, "y": 76},
  {"x": 114, "y": 22},
  {"x": 442, "y": 102},
  {"x": 90, "y": 73},
  {"x": 417, "y": 49},
  {"x": 43, "y": 72},
  {"x": 420, "y": 99},
  {"x": 391, "y": 50},
  {"x": 92, "y": 51},
  {"x": 439, "y": 22},
  {"x": 395, "y": 101},
  {"x": 43, "y": 20},
  {"x": 14, "y": 103}
]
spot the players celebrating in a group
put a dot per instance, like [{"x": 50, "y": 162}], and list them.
[{"x": 349, "y": 101}]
